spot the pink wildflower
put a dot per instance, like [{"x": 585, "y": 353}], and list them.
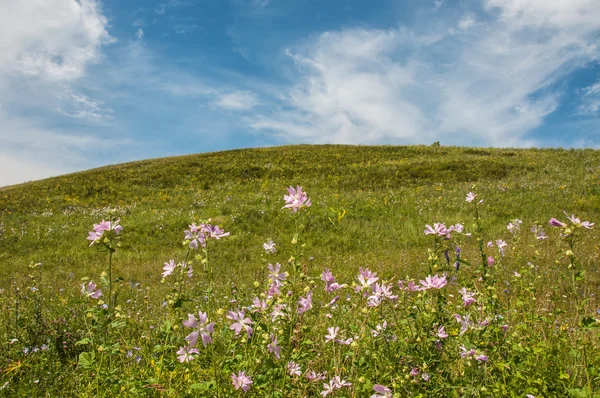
[
  {"x": 269, "y": 246},
  {"x": 434, "y": 282},
  {"x": 90, "y": 290},
  {"x": 241, "y": 322},
  {"x": 296, "y": 199},
  {"x": 186, "y": 354},
  {"x": 274, "y": 347},
  {"x": 305, "y": 303},
  {"x": 241, "y": 381},
  {"x": 204, "y": 329},
  {"x": 382, "y": 391}
]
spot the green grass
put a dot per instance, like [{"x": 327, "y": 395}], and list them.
[{"x": 389, "y": 194}]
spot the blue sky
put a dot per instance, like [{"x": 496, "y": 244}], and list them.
[{"x": 87, "y": 83}]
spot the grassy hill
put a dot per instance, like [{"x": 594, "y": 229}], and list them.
[
  {"x": 369, "y": 208},
  {"x": 389, "y": 194}
]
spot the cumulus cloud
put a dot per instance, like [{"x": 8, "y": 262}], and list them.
[
  {"x": 489, "y": 85},
  {"x": 46, "y": 48},
  {"x": 54, "y": 39}
]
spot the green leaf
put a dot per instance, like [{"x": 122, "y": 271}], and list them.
[
  {"x": 580, "y": 392},
  {"x": 86, "y": 360},
  {"x": 83, "y": 341}
]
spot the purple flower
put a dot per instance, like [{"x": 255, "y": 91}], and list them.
[
  {"x": 169, "y": 268},
  {"x": 269, "y": 246},
  {"x": 241, "y": 322},
  {"x": 330, "y": 284},
  {"x": 296, "y": 199},
  {"x": 197, "y": 235},
  {"x": 490, "y": 261},
  {"x": 411, "y": 286},
  {"x": 274, "y": 347},
  {"x": 426, "y": 376},
  {"x": 438, "y": 229},
  {"x": 203, "y": 329},
  {"x": 332, "y": 336},
  {"x": 258, "y": 305},
  {"x": 514, "y": 226},
  {"x": 313, "y": 376},
  {"x": 366, "y": 278},
  {"x": 90, "y": 290},
  {"x": 382, "y": 391},
  {"x": 555, "y": 223},
  {"x": 241, "y": 381},
  {"x": 471, "y": 197},
  {"x": 294, "y": 369},
  {"x": 468, "y": 297},
  {"x": 305, "y": 303},
  {"x": 274, "y": 274},
  {"x": 379, "y": 328},
  {"x": 105, "y": 226},
  {"x": 441, "y": 333},
  {"x": 186, "y": 354},
  {"x": 434, "y": 282},
  {"x": 465, "y": 323},
  {"x": 415, "y": 372}
]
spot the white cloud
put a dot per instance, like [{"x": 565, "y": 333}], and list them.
[
  {"x": 79, "y": 106},
  {"x": 236, "y": 101},
  {"x": 490, "y": 85},
  {"x": 140, "y": 33},
  {"x": 53, "y": 39},
  {"x": 46, "y": 49},
  {"x": 581, "y": 16},
  {"x": 466, "y": 21},
  {"x": 590, "y": 100},
  {"x": 30, "y": 151}
]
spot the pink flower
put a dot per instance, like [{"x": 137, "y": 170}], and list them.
[
  {"x": 465, "y": 323},
  {"x": 258, "y": 305},
  {"x": 90, "y": 290},
  {"x": 439, "y": 229},
  {"x": 313, "y": 377},
  {"x": 411, "y": 286},
  {"x": 468, "y": 297},
  {"x": 241, "y": 381},
  {"x": 274, "y": 347},
  {"x": 366, "y": 278},
  {"x": 275, "y": 275},
  {"x": 382, "y": 391},
  {"x": 441, "y": 333},
  {"x": 332, "y": 336},
  {"x": 305, "y": 303},
  {"x": 555, "y": 223},
  {"x": 204, "y": 329},
  {"x": 186, "y": 354},
  {"x": 169, "y": 268},
  {"x": 241, "y": 322},
  {"x": 296, "y": 199},
  {"x": 294, "y": 369},
  {"x": 434, "y": 282},
  {"x": 330, "y": 284},
  {"x": 490, "y": 261},
  {"x": 471, "y": 197},
  {"x": 269, "y": 246},
  {"x": 199, "y": 234},
  {"x": 97, "y": 233}
]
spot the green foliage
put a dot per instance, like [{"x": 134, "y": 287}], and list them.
[{"x": 370, "y": 208}]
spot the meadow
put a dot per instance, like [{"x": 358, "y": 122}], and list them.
[{"x": 416, "y": 271}]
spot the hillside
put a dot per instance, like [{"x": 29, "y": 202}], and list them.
[
  {"x": 389, "y": 194},
  {"x": 406, "y": 271}
]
